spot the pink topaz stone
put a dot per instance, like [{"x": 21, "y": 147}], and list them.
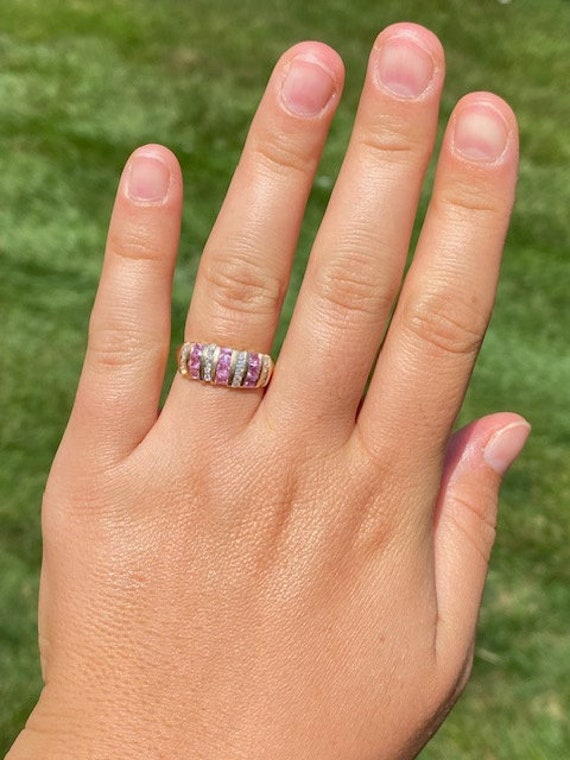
[
  {"x": 253, "y": 370},
  {"x": 195, "y": 360},
  {"x": 223, "y": 368}
]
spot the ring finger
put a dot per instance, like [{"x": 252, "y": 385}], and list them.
[{"x": 245, "y": 267}]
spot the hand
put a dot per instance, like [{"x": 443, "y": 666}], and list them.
[{"x": 296, "y": 573}]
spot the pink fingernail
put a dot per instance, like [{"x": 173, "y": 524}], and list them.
[
  {"x": 480, "y": 133},
  {"x": 149, "y": 179},
  {"x": 404, "y": 67},
  {"x": 505, "y": 446},
  {"x": 308, "y": 87}
]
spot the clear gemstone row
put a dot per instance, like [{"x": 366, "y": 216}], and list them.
[{"x": 208, "y": 361}]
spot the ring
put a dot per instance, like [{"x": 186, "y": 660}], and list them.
[{"x": 231, "y": 367}]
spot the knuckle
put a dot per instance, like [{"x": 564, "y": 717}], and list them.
[
  {"x": 465, "y": 196},
  {"x": 387, "y": 145},
  {"x": 117, "y": 345},
  {"x": 281, "y": 157},
  {"x": 111, "y": 348},
  {"x": 446, "y": 324},
  {"x": 135, "y": 242},
  {"x": 350, "y": 288},
  {"x": 393, "y": 141},
  {"x": 242, "y": 285},
  {"x": 477, "y": 527}
]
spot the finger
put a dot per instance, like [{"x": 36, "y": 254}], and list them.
[
  {"x": 358, "y": 258},
  {"x": 477, "y": 458},
  {"x": 245, "y": 267},
  {"x": 129, "y": 332},
  {"x": 446, "y": 300}
]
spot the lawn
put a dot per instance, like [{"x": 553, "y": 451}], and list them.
[{"x": 82, "y": 82}]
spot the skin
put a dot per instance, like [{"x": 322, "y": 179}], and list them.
[{"x": 295, "y": 573}]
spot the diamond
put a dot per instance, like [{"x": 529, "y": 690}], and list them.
[
  {"x": 240, "y": 369},
  {"x": 208, "y": 362}
]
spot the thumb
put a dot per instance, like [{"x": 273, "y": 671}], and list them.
[{"x": 477, "y": 458}]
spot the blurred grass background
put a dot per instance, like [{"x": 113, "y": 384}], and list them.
[{"x": 83, "y": 82}]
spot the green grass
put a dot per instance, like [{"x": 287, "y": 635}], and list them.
[{"x": 82, "y": 83}]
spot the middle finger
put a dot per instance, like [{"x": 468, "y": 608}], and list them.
[{"x": 359, "y": 254}]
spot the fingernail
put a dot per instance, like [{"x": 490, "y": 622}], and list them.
[
  {"x": 308, "y": 87},
  {"x": 148, "y": 180},
  {"x": 480, "y": 133},
  {"x": 403, "y": 67},
  {"x": 505, "y": 446}
]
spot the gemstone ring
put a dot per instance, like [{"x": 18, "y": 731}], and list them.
[{"x": 230, "y": 367}]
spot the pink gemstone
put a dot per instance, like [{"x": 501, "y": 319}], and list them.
[
  {"x": 253, "y": 370},
  {"x": 223, "y": 368},
  {"x": 195, "y": 360}
]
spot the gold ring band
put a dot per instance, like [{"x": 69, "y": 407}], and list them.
[{"x": 230, "y": 367}]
